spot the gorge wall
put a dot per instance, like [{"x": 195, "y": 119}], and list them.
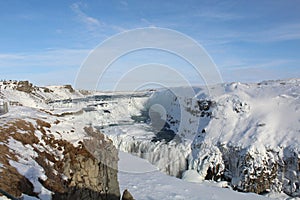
[{"x": 35, "y": 163}]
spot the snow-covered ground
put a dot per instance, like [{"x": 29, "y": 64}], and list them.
[
  {"x": 242, "y": 135},
  {"x": 146, "y": 182}
]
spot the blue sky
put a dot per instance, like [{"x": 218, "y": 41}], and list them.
[{"x": 46, "y": 41}]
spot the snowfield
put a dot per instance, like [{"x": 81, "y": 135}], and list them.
[
  {"x": 147, "y": 182},
  {"x": 244, "y": 137}
]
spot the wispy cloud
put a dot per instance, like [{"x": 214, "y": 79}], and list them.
[
  {"x": 258, "y": 65},
  {"x": 147, "y": 22},
  {"x": 10, "y": 57},
  {"x": 52, "y": 58},
  {"x": 52, "y": 66},
  {"x": 259, "y": 74},
  {"x": 124, "y": 3},
  {"x": 271, "y": 34},
  {"x": 275, "y": 33},
  {"x": 282, "y": 33},
  {"x": 217, "y": 15},
  {"x": 89, "y": 21},
  {"x": 247, "y": 71},
  {"x": 94, "y": 26}
]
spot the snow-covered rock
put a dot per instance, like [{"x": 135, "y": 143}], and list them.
[
  {"x": 250, "y": 136},
  {"x": 45, "y": 154},
  {"x": 244, "y": 134}
]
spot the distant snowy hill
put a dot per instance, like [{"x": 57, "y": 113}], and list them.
[{"x": 240, "y": 136}]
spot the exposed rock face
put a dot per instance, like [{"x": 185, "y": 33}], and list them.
[
  {"x": 71, "y": 172},
  {"x": 70, "y": 88},
  {"x": 248, "y": 172},
  {"x": 106, "y": 154},
  {"x": 12, "y": 181},
  {"x": 127, "y": 196},
  {"x": 248, "y": 169},
  {"x": 25, "y": 86},
  {"x": 46, "y": 90}
]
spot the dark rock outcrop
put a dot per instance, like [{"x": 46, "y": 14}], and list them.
[
  {"x": 127, "y": 196},
  {"x": 70, "y": 88},
  {"x": 72, "y": 172},
  {"x": 248, "y": 169},
  {"x": 90, "y": 168},
  {"x": 25, "y": 86}
]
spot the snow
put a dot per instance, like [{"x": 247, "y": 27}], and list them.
[
  {"x": 153, "y": 184},
  {"x": 192, "y": 176},
  {"x": 133, "y": 164},
  {"x": 29, "y": 168},
  {"x": 268, "y": 119},
  {"x": 4, "y": 198},
  {"x": 281, "y": 196},
  {"x": 24, "y": 197},
  {"x": 254, "y": 118}
]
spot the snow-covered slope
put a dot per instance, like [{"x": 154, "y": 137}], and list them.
[
  {"x": 149, "y": 183},
  {"x": 246, "y": 135},
  {"x": 25, "y": 93}
]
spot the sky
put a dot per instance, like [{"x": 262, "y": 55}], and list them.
[{"x": 46, "y": 42}]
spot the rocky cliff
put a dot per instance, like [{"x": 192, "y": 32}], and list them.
[{"x": 35, "y": 163}]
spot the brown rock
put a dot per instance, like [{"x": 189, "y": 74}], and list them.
[
  {"x": 70, "y": 88},
  {"x": 25, "y": 86},
  {"x": 127, "y": 196}
]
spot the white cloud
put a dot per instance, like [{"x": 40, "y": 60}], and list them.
[
  {"x": 258, "y": 65},
  {"x": 217, "y": 15},
  {"x": 282, "y": 33},
  {"x": 124, "y": 3},
  {"x": 89, "y": 21},
  {"x": 258, "y": 74},
  {"x": 247, "y": 71},
  {"x": 148, "y": 23},
  {"x": 52, "y": 66},
  {"x": 10, "y": 56},
  {"x": 275, "y": 33},
  {"x": 95, "y": 27},
  {"x": 46, "y": 59}
]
